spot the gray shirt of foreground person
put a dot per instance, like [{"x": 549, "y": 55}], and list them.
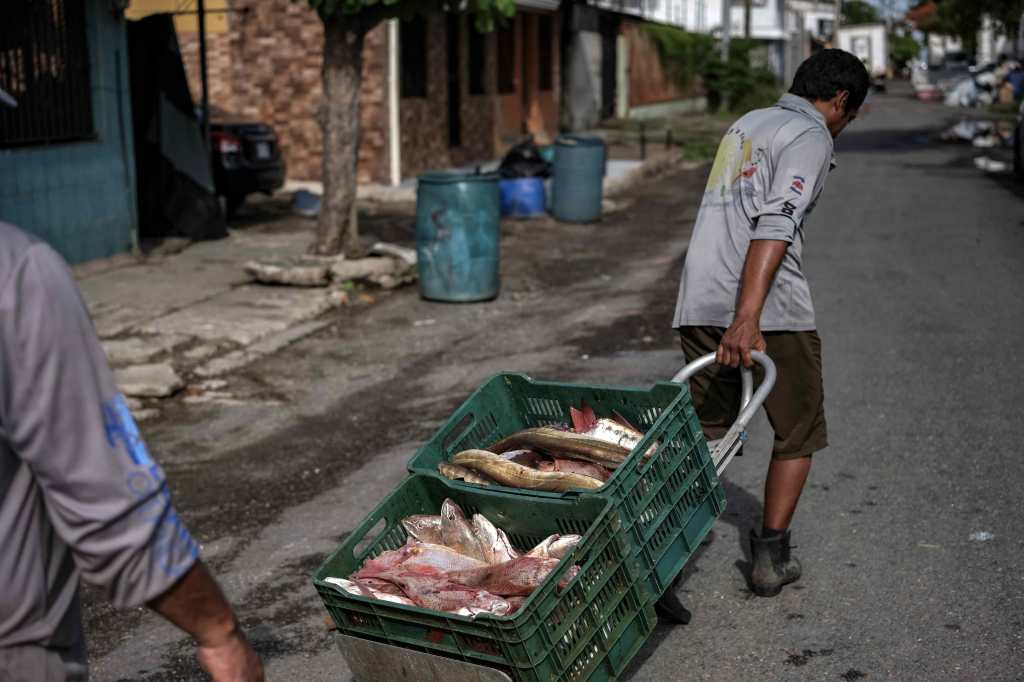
[
  {"x": 767, "y": 176},
  {"x": 80, "y": 496}
]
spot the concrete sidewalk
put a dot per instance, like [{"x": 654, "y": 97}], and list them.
[
  {"x": 176, "y": 318},
  {"x": 189, "y": 313}
]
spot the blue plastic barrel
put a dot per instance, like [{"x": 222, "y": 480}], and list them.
[
  {"x": 578, "y": 173},
  {"x": 458, "y": 233},
  {"x": 522, "y": 197}
]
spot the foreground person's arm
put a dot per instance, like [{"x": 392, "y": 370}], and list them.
[
  {"x": 102, "y": 493},
  {"x": 196, "y": 605}
]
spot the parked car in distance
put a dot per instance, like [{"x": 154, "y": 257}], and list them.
[{"x": 245, "y": 156}]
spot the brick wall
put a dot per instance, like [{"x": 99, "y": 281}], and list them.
[
  {"x": 374, "y": 163},
  {"x": 424, "y": 120},
  {"x": 266, "y": 67},
  {"x": 477, "y": 111}
]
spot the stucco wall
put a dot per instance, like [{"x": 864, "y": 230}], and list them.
[{"x": 80, "y": 196}]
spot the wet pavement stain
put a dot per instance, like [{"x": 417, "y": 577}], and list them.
[
  {"x": 806, "y": 655},
  {"x": 853, "y": 674}
]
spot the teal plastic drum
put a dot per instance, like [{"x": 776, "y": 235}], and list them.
[{"x": 458, "y": 236}]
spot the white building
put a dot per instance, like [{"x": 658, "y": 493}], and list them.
[
  {"x": 819, "y": 18},
  {"x": 869, "y": 43},
  {"x": 705, "y": 16},
  {"x": 669, "y": 12}
]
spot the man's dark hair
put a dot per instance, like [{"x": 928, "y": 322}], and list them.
[{"x": 826, "y": 72}]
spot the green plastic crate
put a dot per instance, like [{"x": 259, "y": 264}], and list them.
[
  {"x": 667, "y": 504},
  {"x": 588, "y": 631}
]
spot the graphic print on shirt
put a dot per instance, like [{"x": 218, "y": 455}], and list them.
[
  {"x": 146, "y": 483},
  {"x": 732, "y": 161}
]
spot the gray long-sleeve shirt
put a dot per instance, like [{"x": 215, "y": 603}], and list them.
[
  {"x": 79, "y": 494},
  {"x": 767, "y": 176}
]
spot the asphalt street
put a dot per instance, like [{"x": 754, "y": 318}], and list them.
[{"x": 914, "y": 261}]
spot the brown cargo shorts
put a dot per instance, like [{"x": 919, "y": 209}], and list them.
[{"x": 795, "y": 407}]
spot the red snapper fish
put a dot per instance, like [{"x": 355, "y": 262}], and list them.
[
  {"x": 440, "y": 594},
  {"x": 420, "y": 557},
  {"x": 516, "y": 578}
]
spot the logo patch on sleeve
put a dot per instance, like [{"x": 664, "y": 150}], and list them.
[{"x": 797, "y": 186}]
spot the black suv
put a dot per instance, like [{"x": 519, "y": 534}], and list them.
[{"x": 246, "y": 158}]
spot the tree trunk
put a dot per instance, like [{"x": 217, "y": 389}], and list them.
[{"x": 338, "y": 227}]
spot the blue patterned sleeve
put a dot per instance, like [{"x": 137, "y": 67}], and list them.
[{"x": 104, "y": 494}]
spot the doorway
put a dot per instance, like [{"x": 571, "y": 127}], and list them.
[{"x": 609, "y": 27}]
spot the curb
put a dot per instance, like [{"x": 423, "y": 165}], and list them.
[{"x": 656, "y": 165}]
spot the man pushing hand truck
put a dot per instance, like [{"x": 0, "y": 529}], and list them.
[{"x": 743, "y": 288}]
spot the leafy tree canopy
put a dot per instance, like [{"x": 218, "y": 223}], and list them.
[
  {"x": 369, "y": 12},
  {"x": 964, "y": 18},
  {"x": 859, "y": 12}
]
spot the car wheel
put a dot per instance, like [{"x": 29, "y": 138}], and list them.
[{"x": 232, "y": 203}]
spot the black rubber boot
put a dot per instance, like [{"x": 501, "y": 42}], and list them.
[
  {"x": 670, "y": 609},
  {"x": 773, "y": 567}
]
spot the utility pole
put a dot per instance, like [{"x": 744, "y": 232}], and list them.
[
  {"x": 203, "y": 77},
  {"x": 746, "y": 19},
  {"x": 726, "y": 28},
  {"x": 837, "y": 22}
]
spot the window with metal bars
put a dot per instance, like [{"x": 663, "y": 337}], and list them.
[
  {"x": 413, "y": 56},
  {"x": 477, "y": 61},
  {"x": 545, "y": 52},
  {"x": 44, "y": 66},
  {"x": 507, "y": 59}
]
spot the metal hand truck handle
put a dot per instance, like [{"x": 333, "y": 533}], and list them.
[{"x": 750, "y": 402}]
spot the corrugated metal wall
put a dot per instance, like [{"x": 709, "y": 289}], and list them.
[{"x": 80, "y": 196}]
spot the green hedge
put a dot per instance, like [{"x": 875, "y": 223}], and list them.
[{"x": 688, "y": 56}]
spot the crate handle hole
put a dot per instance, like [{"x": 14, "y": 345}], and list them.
[{"x": 370, "y": 537}]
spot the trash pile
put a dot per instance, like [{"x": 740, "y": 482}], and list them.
[
  {"x": 463, "y": 566},
  {"x": 987, "y": 85},
  {"x": 980, "y": 86},
  {"x": 523, "y": 173},
  {"x": 552, "y": 458},
  {"x": 525, "y": 160},
  {"x": 983, "y": 135}
]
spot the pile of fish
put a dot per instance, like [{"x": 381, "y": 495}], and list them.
[
  {"x": 551, "y": 458},
  {"x": 459, "y": 565}
]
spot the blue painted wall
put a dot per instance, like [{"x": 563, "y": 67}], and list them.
[{"x": 80, "y": 196}]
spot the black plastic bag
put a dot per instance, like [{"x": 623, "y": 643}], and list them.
[{"x": 524, "y": 161}]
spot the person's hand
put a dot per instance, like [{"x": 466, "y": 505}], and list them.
[
  {"x": 231, "y": 659},
  {"x": 742, "y": 336}
]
